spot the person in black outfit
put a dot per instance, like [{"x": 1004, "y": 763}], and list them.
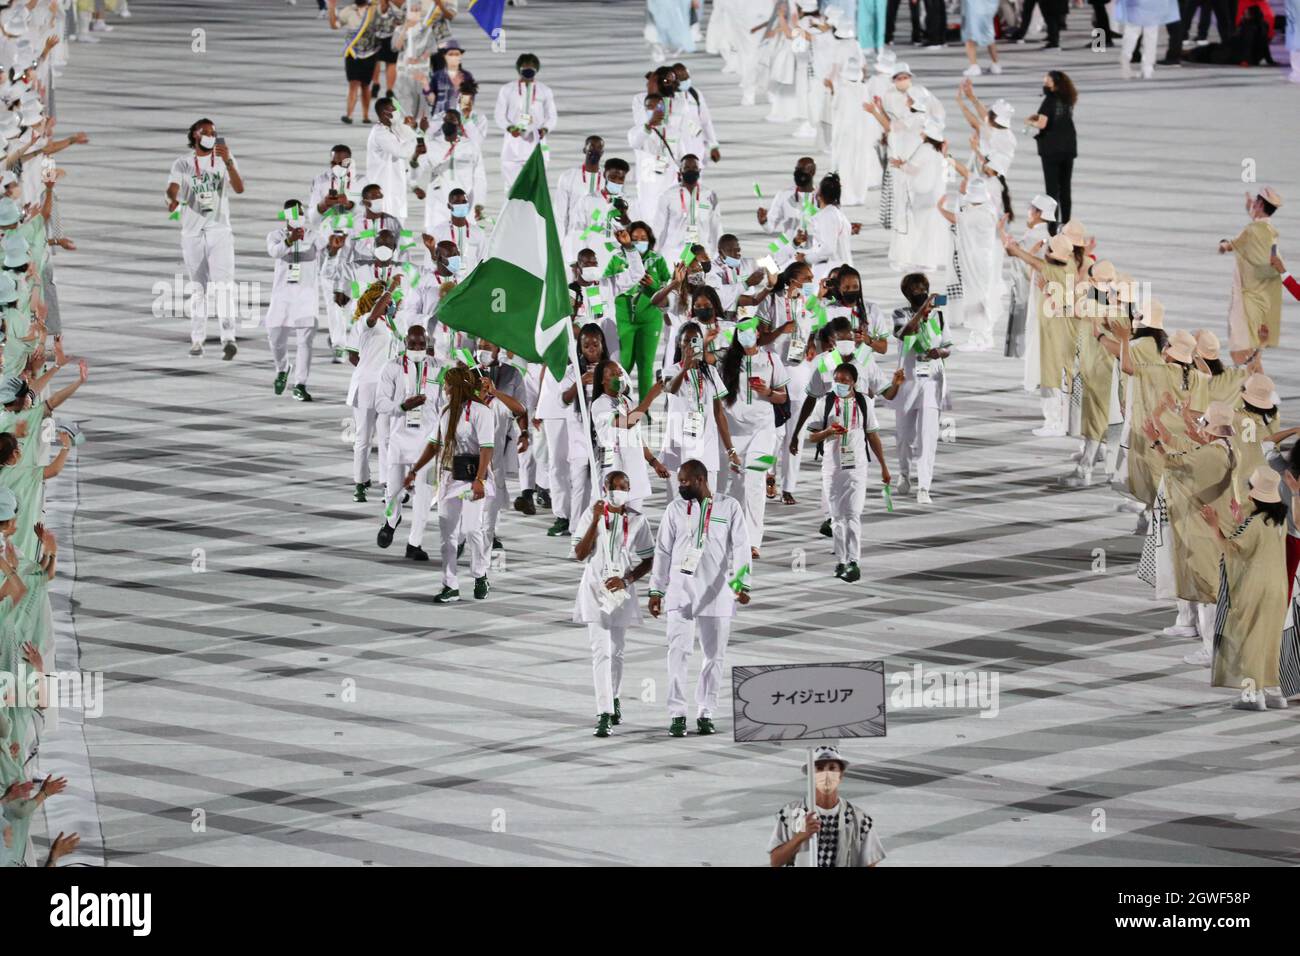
[
  {"x": 1053, "y": 16},
  {"x": 936, "y": 23},
  {"x": 1057, "y": 145},
  {"x": 891, "y": 14},
  {"x": 1101, "y": 21}
]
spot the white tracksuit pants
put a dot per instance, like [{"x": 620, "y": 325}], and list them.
[
  {"x": 460, "y": 518},
  {"x": 606, "y": 664},
  {"x": 279, "y": 339},
  {"x": 210, "y": 263},
  {"x": 421, "y": 497},
  {"x": 557, "y": 466},
  {"x": 580, "y": 490},
  {"x": 529, "y": 458},
  {"x": 917, "y": 435},
  {"x": 747, "y": 486},
  {"x": 787, "y": 465},
  {"x": 493, "y": 505},
  {"x": 369, "y": 424},
  {"x": 1150, "y": 39},
  {"x": 845, "y": 492},
  {"x": 682, "y": 632},
  {"x": 336, "y": 318},
  {"x": 1205, "y": 615}
]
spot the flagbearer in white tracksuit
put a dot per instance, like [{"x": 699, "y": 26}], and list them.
[
  {"x": 614, "y": 540},
  {"x": 525, "y": 112},
  {"x": 924, "y": 393},
  {"x": 846, "y": 429},
  {"x": 297, "y": 250},
  {"x": 410, "y": 396},
  {"x": 463, "y": 444},
  {"x": 701, "y": 572},
  {"x": 197, "y": 189},
  {"x": 755, "y": 382}
]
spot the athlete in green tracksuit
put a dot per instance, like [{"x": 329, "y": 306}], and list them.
[{"x": 639, "y": 322}]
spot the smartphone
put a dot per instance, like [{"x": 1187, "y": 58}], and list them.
[
  {"x": 334, "y": 194},
  {"x": 940, "y": 300},
  {"x": 221, "y": 141}
]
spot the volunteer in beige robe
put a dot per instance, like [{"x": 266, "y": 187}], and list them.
[
  {"x": 1255, "y": 310},
  {"x": 1055, "y": 341},
  {"x": 1253, "y": 600}
]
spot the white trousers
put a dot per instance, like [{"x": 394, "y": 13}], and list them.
[
  {"x": 421, "y": 498},
  {"x": 336, "y": 318},
  {"x": 606, "y": 664},
  {"x": 917, "y": 434},
  {"x": 210, "y": 263},
  {"x": 787, "y": 465},
  {"x": 460, "y": 518},
  {"x": 369, "y": 424},
  {"x": 845, "y": 493},
  {"x": 682, "y": 632},
  {"x": 528, "y": 458},
  {"x": 750, "y": 487},
  {"x": 279, "y": 339},
  {"x": 557, "y": 465},
  {"x": 1150, "y": 38},
  {"x": 580, "y": 491},
  {"x": 493, "y": 505},
  {"x": 1205, "y": 615}
]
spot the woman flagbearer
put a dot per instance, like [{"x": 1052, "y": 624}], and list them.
[
  {"x": 847, "y": 428},
  {"x": 592, "y": 354},
  {"x": 614, "y": 540},
  {"x": 463, "y": 444},
  {"x": 756, "y": 396},
  {"x": 297, "y": 250},
  {"x": 620, "y": 447},
  {"x": 1252, "y": 605}
]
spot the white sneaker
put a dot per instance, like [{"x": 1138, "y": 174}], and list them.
[
  {"x": 922, "y": 496},
  {"x": 1180, "y": 630},
  {"x": 196, "y": 349},
  {"x": 972, "y": 70},
  {"x": 1294, "y": 75},
  {"x": 1131, "y": 507},
  {"x": 903, "y": 486},
  {"x": 125, "y": 11},
  {"x": 995, "y": 69},
  {"x": 1148, "y": 72},
  {"x": 1255, "y": 703},
  {"x": 805, "y": 131},
  {"x": 1125, "y": 70},
  {"x": 1049, "y": 431},
  {"x": 1275, "y": 701},
  {"x": 1199, "y": 657},
  {"x": 100, "y": 26}
]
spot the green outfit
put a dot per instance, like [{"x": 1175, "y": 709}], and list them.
[
  {"x": 27, "y": 478},
  {"x": 639, "y": 322}
]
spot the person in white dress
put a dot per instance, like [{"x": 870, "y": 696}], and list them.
[
  {"x": 198, "y": 193},
  {"x": 921, "y": 241},
  {"x": 701, "y": 573},
  {"x": 391, "y": 146},
  {"x": 980, "y": 257},
  {"x": 1022, "y": 324},
  {"x": 297, "y": 249},
  {"x": 854, "y": 133},
  {"x": 615, "y": 543},
  {"x": 462, "y": 444},
  {"x": 525, "y": 112}
]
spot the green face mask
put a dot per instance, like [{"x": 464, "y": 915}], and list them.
[{"x": 615, "y": 386}]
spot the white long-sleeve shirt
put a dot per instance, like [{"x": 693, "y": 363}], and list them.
[
  {"x": 388, "y": 161},
  {"x": 687, "y": 216},
  {"x": 720, "y": 532},
  {"x": 527, "y": 105},
  {"x": 444, "y": 167},
  {"x": 294, "y": 294}
]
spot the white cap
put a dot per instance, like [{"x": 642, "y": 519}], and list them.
[
  {"x": 901, "y": 68},
  {"x": 1046, "y": 205},
  {"x": 933, "y": 128},
  {"x": 1003, "y": 110},
  {"x": 977, "y": 191},
  {"x": 999, "y": 162},
  {"x": 885, "y": 61}
]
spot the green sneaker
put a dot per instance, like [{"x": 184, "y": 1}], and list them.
[
  {"x": 602, "y": 725},
  {"x": 825, "y": 529},
  {"x": 281, "y": 380},
  {"x": 481, "y": 588},
  {"x": 446, "y": 596},
  {"x": 704, "y": 727},
  {"x": 559, "y": 529},
  {"x": 851, "y": 573},
  {"x": 616, "y": 718},
  {"x": 360, "y": 493},
  {"x": 677, "y": 728},
  {"x": 300, "y": 392},
  {"x": 839, "y": 570}
]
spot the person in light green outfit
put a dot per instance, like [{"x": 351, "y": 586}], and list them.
[{"x": 640, "y": 322}]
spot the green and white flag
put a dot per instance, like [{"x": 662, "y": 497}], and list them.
[{"x": 517, "y": 297}]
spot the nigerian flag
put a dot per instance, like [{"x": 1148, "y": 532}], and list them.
[{"x": 517, "y": 297}]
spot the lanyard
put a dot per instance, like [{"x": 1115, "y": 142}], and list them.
[
  {"x": 613, "y": 533},
  {"x": 697, "y": 381},
  {"x": 749, "y": 380},
  {"x": 695, "y": 198},
  {"x": 421, "y": 372},
  {"x": 335, "y": 181},
  {"x": 212, "y": 164},
  {"x": 531, "y": 95},
  {"x": 706, "y": 512},
  {"x": 850, "y": 422},
  {"x": 595, "y": 183}
]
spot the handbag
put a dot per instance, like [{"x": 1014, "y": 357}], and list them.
[{"x": 464, "y": 467}]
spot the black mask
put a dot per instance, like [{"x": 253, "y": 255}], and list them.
[
  {"x": 1047, "y": 89},
  {"x": 802, "y": 179},
  {"x": 528, "y": 73},
  {"x": 593, "y": 158},
  {"x": 449, "y": 130},
  {"x": 687, "y": 493},
  {"x": 704, "y": 313},
  {"x": 690, "y": 177}
]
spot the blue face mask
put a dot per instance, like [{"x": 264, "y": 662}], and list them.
[
  {"x": 453, "y": 264},
  {"x": 614, "y": 189},
  {"x": 684, "y": 85},
  {"x": 808, "y": 289},
  {"x": 460, "y": 209},
  {"x": 731, "y": 262},
  {"x": 642, "y": 246},
  {"x": 842, "y": 389}
]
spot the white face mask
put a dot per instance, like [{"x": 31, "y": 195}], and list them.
[
  {"x": 747, "y": 338},
  {"x": 376, "y": 206},
  {"x": 828, "y": 780},
  {"x": 618, "y": 498},
  {"x": 591, "y": 273},
  {"x": 339, "y": 171},
  {"x": 207, "y": 142},
  {"x": 845, "y": 347},
  {"x": 415, "y": 356},
  {"x": 383, "y": 253},
  {"x": 484, "y": 356}
]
